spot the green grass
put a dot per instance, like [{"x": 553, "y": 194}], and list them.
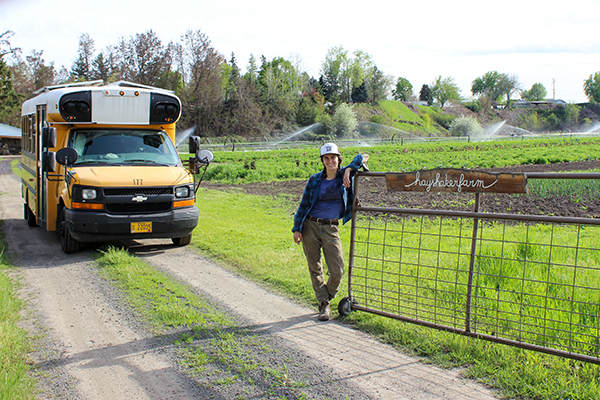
[
  {"x": 210, "y": 344},
  {"x": 161, "y": 300},
  {"x": 15, "y": 165},
  {"x": 259, "y": 244},
  {"x": 15, "y": 383}
]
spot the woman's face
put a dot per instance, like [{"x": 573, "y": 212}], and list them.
[{"x": 331, "y": 161}]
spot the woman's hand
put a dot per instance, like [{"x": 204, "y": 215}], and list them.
[
  {"x": 297, "y": 237},
  {"x": 346, "y": 178}
]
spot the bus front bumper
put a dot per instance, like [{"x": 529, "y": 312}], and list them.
[{"x": 86, "y": 226}]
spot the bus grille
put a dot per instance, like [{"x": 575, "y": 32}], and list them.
[
  {"x": 132, "y": 208},
  {"x": 143, "y": 191}
]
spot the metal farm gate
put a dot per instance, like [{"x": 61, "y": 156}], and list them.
[{"x": 531, "y": 281}]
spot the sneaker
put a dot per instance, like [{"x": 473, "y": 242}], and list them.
[{"x": 324, "y": 311}]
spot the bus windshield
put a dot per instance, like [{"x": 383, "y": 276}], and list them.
[{"x": 123, "y": 146}]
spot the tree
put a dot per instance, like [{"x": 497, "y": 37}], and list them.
[
  {"x": 378, "y": 85},
  {"x": 403, "y": 90},
  {"x": 445, "y": 90},
  {"x": 536, "y": 93},
  {"x": 144, "y": 58},
  {"x": 10, "y": 100},
  {"x": 591, "y": 87},
  {"x": 281, "y": 86},
  {"x": 426, "y": 95},
  {"x": 82, "y": 67},
  {"x": 202, "y": 94},
  {"x": 342, "y": 73},
  {"x": 42, "y": 74},
  {"x": 360, "y": 94},
  {"x": 494, "y": 85}
]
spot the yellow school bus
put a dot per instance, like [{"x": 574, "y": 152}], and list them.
[{"x": 99, "y": 164}]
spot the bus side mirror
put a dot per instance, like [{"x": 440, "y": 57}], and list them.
[
  {"x": 48, "y": 137},
  {"x": 204, "y": 157},
  {"x": 66, "y": 156},
  {"x": 194, "y": 144}
]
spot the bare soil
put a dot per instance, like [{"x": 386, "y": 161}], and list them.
[{"x": 373, "y": 191}]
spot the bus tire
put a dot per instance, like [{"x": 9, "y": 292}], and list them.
[
  {"x": 68, "y": 243},
  {"x": 182, "y": 241}
]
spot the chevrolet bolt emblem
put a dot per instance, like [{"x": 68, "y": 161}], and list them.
[{"x": 139, "y": 198}]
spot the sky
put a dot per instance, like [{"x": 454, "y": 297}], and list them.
[{"x": 548, "y": 42}]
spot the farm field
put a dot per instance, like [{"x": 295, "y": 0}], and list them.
[{"x": 561, "y": 198}]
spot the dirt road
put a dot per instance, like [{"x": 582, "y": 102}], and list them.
[{"x": 93, "y": 347}]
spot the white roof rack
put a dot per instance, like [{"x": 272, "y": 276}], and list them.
[
  {"x": 137, "y": 85},
  {"x": 98, "y": 82}
]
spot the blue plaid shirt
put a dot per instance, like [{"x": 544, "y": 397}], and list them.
[{"x": 313, "y": 187}]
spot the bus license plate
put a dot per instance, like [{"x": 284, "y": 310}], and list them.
[{"x": 141, "y": 227}]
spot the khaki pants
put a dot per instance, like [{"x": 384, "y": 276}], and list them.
[{"x": 314, "y": 238}]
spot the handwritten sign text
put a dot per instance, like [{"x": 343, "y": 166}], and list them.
[{"x": 457, "y": 180}]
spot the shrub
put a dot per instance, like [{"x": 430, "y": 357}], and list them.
[{"x": 465, "y": 126}]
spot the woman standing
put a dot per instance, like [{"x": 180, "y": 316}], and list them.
[{"x": 327, "y": 198}]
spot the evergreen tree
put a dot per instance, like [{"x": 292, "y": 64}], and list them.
[
  {"x": 10, "y": 101},
  {"x": 426, "y": 95},
  {"x": 360, "y": 94}
]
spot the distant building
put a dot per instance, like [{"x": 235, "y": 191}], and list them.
[
  {"x": 545, "y": 104},
  {"x": 10, "y": 140}
]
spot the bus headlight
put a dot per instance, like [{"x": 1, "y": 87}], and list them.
[
  {"x": 182, "y": 191},
  {"x": 88, "y": 194}
]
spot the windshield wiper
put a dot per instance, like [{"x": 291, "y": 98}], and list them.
[
  {"x": 141, "y": 160},
  {"x": 91, "y": 162}
]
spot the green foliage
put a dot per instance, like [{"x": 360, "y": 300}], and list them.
[
  {"x": 10, "y": 101},
  {"x": 161, "y": 300},
  {"x": 536, "y": 93},
  {"x": 379, "y": 119},
  {"x": 445, "y": 90},
  {"x": 403, "y": 89},
  {"x": 15, "y": 383},
  {"x": 426, "y": 95},
  {"x": 344, "y": 121},
  {"x": 494, "y": 85},
  {"x": 465, "y": 126},
  {"x": 438, "y": 116},
  {"x": 591, "y": 87},
  {"x": 229, "y": 167},
  {"x": 474, "y": 105}
]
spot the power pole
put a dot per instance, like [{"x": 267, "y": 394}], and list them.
[{"x": 553, "y": 90}]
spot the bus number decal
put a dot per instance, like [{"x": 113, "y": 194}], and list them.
[{"x": 137, "y": 182}]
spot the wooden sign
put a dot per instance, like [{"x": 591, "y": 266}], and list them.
[{"x": 457, "y": 181}]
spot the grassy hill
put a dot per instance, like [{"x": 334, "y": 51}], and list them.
[{"x": 426, "y": 121}]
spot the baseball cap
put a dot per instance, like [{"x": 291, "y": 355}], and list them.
[{"x": 330, "y": 148}]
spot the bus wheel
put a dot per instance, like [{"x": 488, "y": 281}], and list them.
[
  {"x": 68, "y": 243},
  {"x": 182, "y": 241}
]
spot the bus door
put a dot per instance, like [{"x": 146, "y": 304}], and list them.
[{"x": 41, "y": 173}]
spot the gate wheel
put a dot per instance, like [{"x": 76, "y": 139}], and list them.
[{"x": 345, "y": 306}]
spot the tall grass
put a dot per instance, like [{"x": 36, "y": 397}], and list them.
[
  {"x": 15, "y": 383},
  {"x": 536, "y": 284}
]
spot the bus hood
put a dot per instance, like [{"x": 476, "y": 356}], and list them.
[{"x": 126, "y": 176}]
